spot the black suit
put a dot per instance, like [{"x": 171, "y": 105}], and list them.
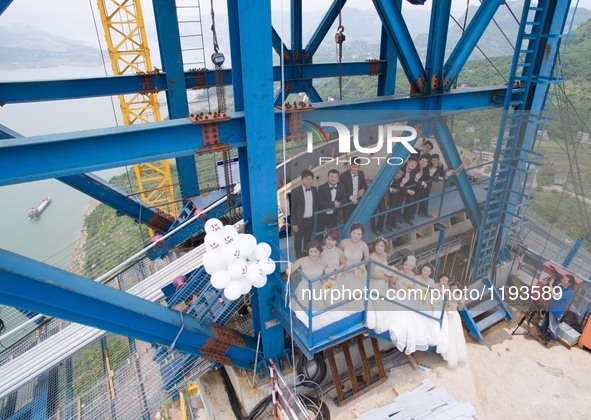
[
  {"x": 347, "y": 180},
  {"x": 297, "y": 209},
  {"x": 325, "y": 201}
]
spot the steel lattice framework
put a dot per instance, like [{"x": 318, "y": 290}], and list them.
[{"x": 254, "y": 129}]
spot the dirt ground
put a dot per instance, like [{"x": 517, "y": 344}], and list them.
[{"x": 507, "y": 377}]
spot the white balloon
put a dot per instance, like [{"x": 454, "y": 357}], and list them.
[
  {"x": 261, "y": 282},
  {"x": 229, "y": 236},
  {"x": 267, "y": 266},
  {"x": 213, "y": 225},
  {"x": 233, "y": 290},
  {"x": 220, "y": 279},
  {"x": 252, "y": 240},
  {"x": 253, "y": 272},
  {"x": 237, "y": 269},
  {"x": 262, "y": 251},
  {"x": 246, "y": 286},
  {"x": 229, "y": 229},
  {"x": 214, "y": 241},
  {"x": 245, "y": 244},
  {"x": 230, "y": 254},
  {"x": 212, "y": 261},
  {"x": 251, "y": 257}
]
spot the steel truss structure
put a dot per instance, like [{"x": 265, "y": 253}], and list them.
[{"x": 254, "y": 128}]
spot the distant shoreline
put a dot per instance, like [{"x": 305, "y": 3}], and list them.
[{"x": 78, "y": 258}]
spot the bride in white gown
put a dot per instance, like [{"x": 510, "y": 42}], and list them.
[
  {"x": 404, "y": 325},
  {"x": 456, "y": 353}
]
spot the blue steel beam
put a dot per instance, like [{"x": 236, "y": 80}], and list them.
[
  {"x": 296, "y": 26},
  {"x": 393, "y": 22},
  {"x": 32, "y": 285},
  {"x": 454, "y": 160},
  {"x": 277, "y": 44},
  {"x": 377, "y": 190},
  {"x": 260, "y": 156},
  {"x": 4, "y": 5},
  {"x": 176, "y": 95},
  {"x": 53, "y": 156},
  {"x": 467, "y": 43},
  {"x": 440, "y": 12},
  {"x": 388, "y": 53},
  {"x": 55, "y": 90},
  {"x": 324, "y": 26},
  {"x": 39, "y": 404},
  {"x": 312, "y": 92},
  {"x": 573, "y": 252},
  {"x": 107, "y": 193},
  {"x": 238, "y": 87},
  {"x": 117, "y": 199}
]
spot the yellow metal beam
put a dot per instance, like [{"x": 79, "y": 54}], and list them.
[{"x": 125, "y": 32}]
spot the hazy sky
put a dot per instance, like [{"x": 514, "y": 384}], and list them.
[{"x": 73, "y": 18}]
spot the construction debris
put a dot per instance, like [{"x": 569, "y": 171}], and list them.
[{"x": 424, "y": 402}]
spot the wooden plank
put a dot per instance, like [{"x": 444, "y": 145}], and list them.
[
  {"x": 364, "y": 362},
  {"x": 335, "y": 374},
  {"x": 363, "y": 391},
  {"x": 412, "y": 361},
  {"x": 350, "y": 367},
  {"x": 378, "y": 356}
]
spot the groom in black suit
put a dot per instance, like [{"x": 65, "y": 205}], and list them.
[
  {"x": 302, "y": 206},
  {"x": 354, "y": 182},
  {"x": 331, "y": 196}
]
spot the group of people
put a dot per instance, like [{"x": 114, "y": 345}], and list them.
[
  {"x": 407, "y": 196},
  {"x": 409, "y": 329}
]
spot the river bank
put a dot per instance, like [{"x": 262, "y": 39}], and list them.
[{"x": 78, "y": 256}]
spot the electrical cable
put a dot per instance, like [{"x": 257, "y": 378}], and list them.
[
  {"x": 512, "y": 14},
  {"x": 319, "y": 374},
  {"x": 482, "y": 52},
  {"x": 318, "y": 407}
]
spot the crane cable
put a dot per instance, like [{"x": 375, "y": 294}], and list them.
[
  {"x": 339, "y": 38},
  {"x": 218, "y": 60}
]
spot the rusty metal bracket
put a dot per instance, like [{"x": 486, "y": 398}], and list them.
[
  {"x": 147, "y": 85},
  {"x": 209, "y": 130},
  {"x": 418, "y": 87},
  {"x": 215, "y": 350},
  {"x": 435, "y": 82},
  {"x": 199, "y": 78},
  {"x": 294, "y": 119},
  {"x": 374, "y": 67},
  {"x": 228, "y": 335}
]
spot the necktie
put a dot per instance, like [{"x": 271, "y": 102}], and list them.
[
  {"x": 308, "y": 189},
  {"x": 333, "y": 188}
]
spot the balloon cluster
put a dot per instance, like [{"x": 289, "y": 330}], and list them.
[{"x": 234, "y": 260}]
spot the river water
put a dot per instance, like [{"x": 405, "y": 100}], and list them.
[{"x": 53, "y": 235}]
